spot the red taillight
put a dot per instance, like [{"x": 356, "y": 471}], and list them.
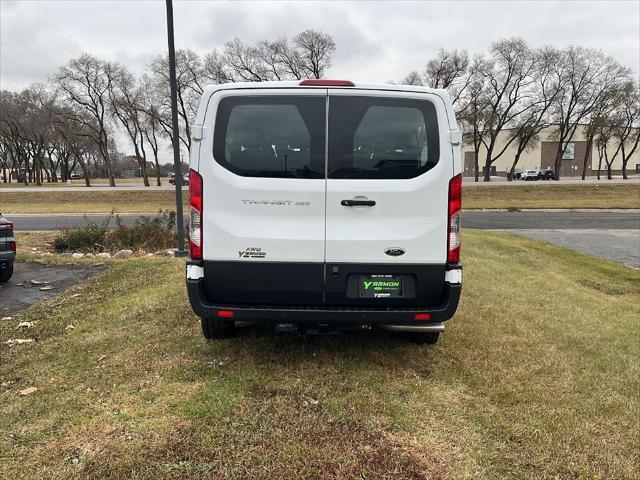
[
  {"x": 225, "y": 313},
  {"x": 7, "y": 227},
  {"x": 422, "y": 316},
  {"x": 195, "y": 214},
  {"x": 454, "y": 229},
  {"x": 326, "y": 83}
]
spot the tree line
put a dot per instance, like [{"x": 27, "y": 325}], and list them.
[
  {"x": 518, "y": 91},
  {"x": 514, "y": 91},
  {"x": 50, "y": 130}
]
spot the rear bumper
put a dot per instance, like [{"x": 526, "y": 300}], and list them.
[
  {"x": 7, "y": 258},
  {"x": 325, "y": 313}
]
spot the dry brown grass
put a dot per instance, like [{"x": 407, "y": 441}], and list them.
[
  {"x": 535, "y": 377},
  {"x": 40, "y": 241},
  {"x": 552, "y": 196},
  {"x": 474, "y": 197},
  {"x": 137, "y": 201}
]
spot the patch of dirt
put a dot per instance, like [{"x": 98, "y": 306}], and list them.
[
  {"x": 32, "y": 282},
  {"x": 600, "y": 287}
]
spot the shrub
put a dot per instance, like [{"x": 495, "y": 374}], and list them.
[
  {"x": 59, "y": 244},
  {"x": 89, "y": 236},
  {"x": 147, "y": 233}
]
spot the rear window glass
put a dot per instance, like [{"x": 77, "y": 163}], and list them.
[
  {"x": 277, "y": 136},
  {"x": 381, "y": 138}
]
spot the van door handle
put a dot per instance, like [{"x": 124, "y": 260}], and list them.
[{"x": 357, "y": 203}]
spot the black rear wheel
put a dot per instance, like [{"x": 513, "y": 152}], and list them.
[
  {"x": 5, "y": 273},
  {"x": 422, "y": 338},
  {"x": 213, "y": 327}
]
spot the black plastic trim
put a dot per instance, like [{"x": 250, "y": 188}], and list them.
[{"x": 314, "y": 313}]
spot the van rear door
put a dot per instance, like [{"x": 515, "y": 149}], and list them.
[
  {"x": 389, "y": 166},
  {"x": 263, "y": 172}
]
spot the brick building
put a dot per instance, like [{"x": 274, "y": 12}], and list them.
[{"x": 542, "y": 156}]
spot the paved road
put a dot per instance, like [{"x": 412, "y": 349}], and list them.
[
  {"x": 622, "y": 246},
  {"x": 484, "y": 220},
  {"x": 614, "y": 235},
  {"x": 544, "y": 220}
]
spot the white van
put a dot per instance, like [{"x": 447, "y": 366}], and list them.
[{"x": 323, "y": 205}]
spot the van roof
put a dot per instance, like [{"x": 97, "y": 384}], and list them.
[{"x": 296, "y": 84}]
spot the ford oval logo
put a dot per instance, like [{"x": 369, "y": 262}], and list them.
[{"x": 394, "y": 252}]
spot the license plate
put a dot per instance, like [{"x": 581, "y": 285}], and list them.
[{"x": 380, "y": 286}]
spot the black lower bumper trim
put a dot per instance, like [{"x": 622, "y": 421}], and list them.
[{"x": 326, "y": 313}]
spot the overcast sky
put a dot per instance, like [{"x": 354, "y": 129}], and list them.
[{"x": 376, "y": 41}]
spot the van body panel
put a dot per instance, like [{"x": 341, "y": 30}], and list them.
[
  {"x": 301, "y": 313},
  {"x": 283, "y": 217},
  {"x": 410, "y": 213},
  {"x": 264, "y": 283},
  {"x": 278, "y": 237}
]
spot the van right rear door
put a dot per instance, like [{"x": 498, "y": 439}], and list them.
[{"x": 388, "y": 171}]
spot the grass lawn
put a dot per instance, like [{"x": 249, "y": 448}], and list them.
[
  {"x": 90, "y": 202},
  {"x": 537, "y": 376},
  {"x": 31, "y": 241},
  {"x": 552, "y": 196},
  {"x": 474, "y": 197}
]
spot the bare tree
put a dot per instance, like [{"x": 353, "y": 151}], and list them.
[
  {"x": 447, "y": 68},
  {"x": 598, "y": 119},
  {"x": 510, "y": 78},
  {"x": 626, "y": 123},
  {"x": 413, "y": 78},
  {"x": 86, "y": 81},
  {"x": 246, "y": 62},
  {"x": 189, "y": 76},
  {"x": 585, "y": 77},
  {"x": 151, "y": 121},
  {"x": 289, "y": 58},
  {"x": 450, "y": 70},
  {"x": 215, "y": 70},
  {"x": 546, "y": 88},
  {"x": 315, "y": 51},
  {"x": 474, "y": 112},
  {"x": 77, "y": 141},
  {"x": 308, "y": 56},
  {"x": 127, "y": 106}
]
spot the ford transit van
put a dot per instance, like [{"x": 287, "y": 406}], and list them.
[{"x": 323, "y": 205}]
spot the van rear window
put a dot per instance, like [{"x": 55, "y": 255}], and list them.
[
  {"x": 383, "y": 138},
  {"x": 271, "y": 136}
]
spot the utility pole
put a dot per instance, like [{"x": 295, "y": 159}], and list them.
[{"x": 177, "y": 162}]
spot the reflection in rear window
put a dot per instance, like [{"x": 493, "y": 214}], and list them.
[
  {"x": 277, "y": 136},
  {"x": 381, "y": 138}
]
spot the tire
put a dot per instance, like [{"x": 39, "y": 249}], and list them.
[
  {"x": 425, "y": 338},
  {"x": 6, "y": 273},
  {"x": 213, "y": 327}
]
